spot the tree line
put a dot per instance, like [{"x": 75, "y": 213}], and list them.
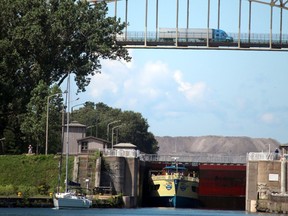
[{"x": 41, "y": 42}]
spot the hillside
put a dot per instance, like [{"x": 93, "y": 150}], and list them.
[
  {"x": 214, "y": 144},
  {"x": 32, "y": 173}
]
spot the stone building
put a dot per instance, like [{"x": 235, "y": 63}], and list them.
[{"x": 78, "y": 142}]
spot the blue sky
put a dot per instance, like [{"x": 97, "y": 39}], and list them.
[{"x": 199, "y": 92}]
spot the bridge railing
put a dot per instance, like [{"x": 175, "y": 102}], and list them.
[
  {"x": 194, "y": 157},
  {"x": 139, "y": 36},
  {"x": 258, "y": 156},
  {"x": 197, "y": 158},
  {"x": 128, "y": 153}
]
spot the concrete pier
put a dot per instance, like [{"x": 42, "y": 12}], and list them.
[
  {"x": 125, "y": 172},
  {"x": 266, "y": 183}
]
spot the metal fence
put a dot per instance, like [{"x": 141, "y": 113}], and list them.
[
  {"x": 128, "y": 153},
  {"x": 262, "y": 156},
  {"x": 196, "y": 157}
]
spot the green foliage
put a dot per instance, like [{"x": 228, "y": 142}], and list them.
[
  {"x": 111, "y": 202},
  {"x": 6, "y": 190},
  {"x": 97, "y": 154},
  {"x": 43, "y": 188},
  {"x": 131, "y": 127},
  {"x": 27, "y": 191},
  {"x": 30, "y": 175},
  {"x": 34, "y": 121},
  {"x": 43, "y": 41}
]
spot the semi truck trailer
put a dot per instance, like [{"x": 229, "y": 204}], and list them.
[{"x": 193, "y": 34}]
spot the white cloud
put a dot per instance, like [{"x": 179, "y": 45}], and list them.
[
  {"x": 268, "y": 118},
  {"x": 193, "y": 92},
  {"x": 132, "y": 86},
  {"x": 100, "y": 84}
]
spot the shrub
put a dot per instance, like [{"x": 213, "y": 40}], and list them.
[
  {"x": 43, "y": 188},
  {"x": 28, "y": 191},
  {"x": 7, "y": 190}
]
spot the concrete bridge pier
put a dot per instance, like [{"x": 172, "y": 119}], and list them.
[
  {"x": 266, "y": 183},
  {"x": 124, "y": 178}
]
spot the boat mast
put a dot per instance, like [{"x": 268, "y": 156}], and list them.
[
  {"x": 64, "y": 106},
  {"x": 67, "y": 133}
]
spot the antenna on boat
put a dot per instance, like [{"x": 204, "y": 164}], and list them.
[
  {"x": 176, "y": 164},
  {"x": 175, "y": 159}
]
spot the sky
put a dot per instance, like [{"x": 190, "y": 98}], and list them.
[{"x": 199, "y": 92}]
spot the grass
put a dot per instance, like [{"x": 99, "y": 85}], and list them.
[{"x": 30, "y": 174}]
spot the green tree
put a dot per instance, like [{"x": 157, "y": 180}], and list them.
[
  {"x": 46, "y": 40},
  {"x": 34, "y": 121},
  {"x": 132, "y": 128}
]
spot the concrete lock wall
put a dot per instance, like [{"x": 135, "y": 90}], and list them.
[
  {"x": 125, "y": 178},
  {"x": 263, "y": 179},
  {"x": 251, "y": 186},
  {"x": 117, "y": 173}
]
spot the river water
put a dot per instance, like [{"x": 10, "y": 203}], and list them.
[{"x": 118, "y": 212}]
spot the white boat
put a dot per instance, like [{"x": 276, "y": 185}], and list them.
[{"x": 68, "y": 199}]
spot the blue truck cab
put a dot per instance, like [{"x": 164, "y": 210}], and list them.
[{"x": 221, "y": 36}]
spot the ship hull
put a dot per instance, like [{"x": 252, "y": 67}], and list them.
[
  {"x": 174, "y": 192},
  {"x": 175, "y": 201}
]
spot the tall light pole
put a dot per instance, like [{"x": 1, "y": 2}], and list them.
[
  {"x": 76, "y": 105},
  {"x": 47, "y": 119},
  {"x": 113, "y": 133},
  {"x": 113, "y": 122}
]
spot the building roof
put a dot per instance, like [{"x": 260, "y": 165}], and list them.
[
  {"x": 125, "y": 145},
  {"x": 75, "y": 124},
  {"x": 93, "y": 138}
]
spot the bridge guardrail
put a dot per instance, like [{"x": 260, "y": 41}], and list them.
[
  {"x": 264, "y": 156},
  {"x": 198, "y": 158},
  {"x": 129, "y": 153},
  {"x": 194, "y": 157}
]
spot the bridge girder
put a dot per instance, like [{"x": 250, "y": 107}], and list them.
[{"x": 274, "y": 3}]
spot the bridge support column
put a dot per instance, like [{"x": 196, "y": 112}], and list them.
[{"x": 124, "y": 178}]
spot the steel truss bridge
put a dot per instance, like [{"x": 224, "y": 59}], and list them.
[{"x": 241, "y": 41}]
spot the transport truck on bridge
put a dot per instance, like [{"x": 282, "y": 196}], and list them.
[{"x": 194, "y": 34}]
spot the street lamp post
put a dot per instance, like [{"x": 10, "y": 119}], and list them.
[
  {"x": 76, "y": 105},
  {"x": 109, "y": 126},
  {"x": 113, "y": 133},
  {"x": 47, "y": 120},
  {"x": 91, "y": 129}
]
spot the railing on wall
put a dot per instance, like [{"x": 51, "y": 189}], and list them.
[
  {"x": 195, "y": 157},
  {"x": 191, "y": 158},
  {"x": 264, "y": 156},
  {"x": 198, "y": 158},
  {"x": 129, "y": 153}
]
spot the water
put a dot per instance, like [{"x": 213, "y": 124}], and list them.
[{"x": 118, "y": 212}]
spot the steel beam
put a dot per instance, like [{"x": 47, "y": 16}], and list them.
[
  {"x": 218, "y": 24},
  {"x": 239, "y": 23},
  {"x": 146, "y": 23},
  {"x": 208, "y": 22},
  {"x": 274, "y": 3}
]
